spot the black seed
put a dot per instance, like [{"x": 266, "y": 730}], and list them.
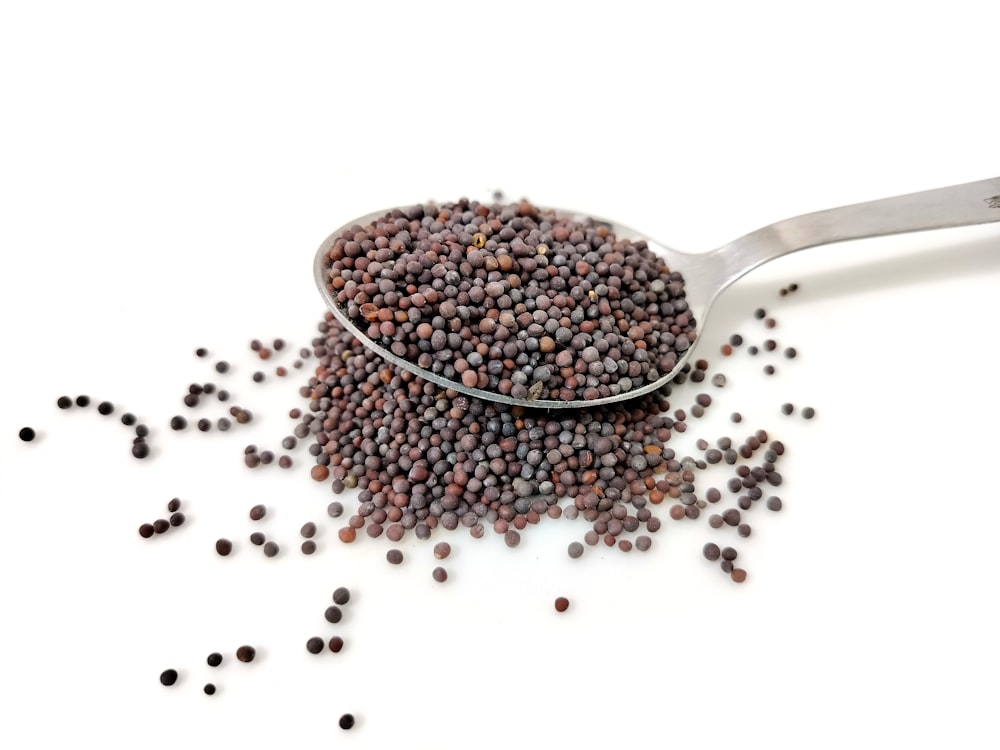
[
  {"x": 258, "y": 377},
  {"x": 711, "y": 551},
  {"x": 257, "y": 538},
  {"x": 209, "y": 688},
  {"x": 178, "y": 423},
  {"x": 808, "y": 412},
  {"x": 246, "y": 654},
  {"x": 146, "y": 530},
  {"x": 790, "y": 352},
  {"x": 315, "y": 645},
  {"x": 160, "y": 525},
  {"x": 105, "y": 408},
  {"x": 346, "y": 721},
  {"x": 191, "y": 400},
  {"x": 222, "y": 395},
  {"x": 204, "y": 424},
  {"x": 177, "y": 519},
  {"x": 26, "y": 434},
  {"x": 168, "y": 677},
  {"x": 222, "y": 366},
  {"x": 223, "y": 547},
  {"x": 214, "y": 659},
  {"x": 787, "y": 408},
  {"x": 333, "y": 614},
  {"x": 341, "y": 595},
  {"x": 201, "y": 352},
  {"x": 174, "y": 505},
  {"x": 140, "y": 449},
  {"x": 257, "y": 512},
  {"x": 64, "y": 402},
  {"x": 83, "y": 400},
  {"x": 141, "y": 430}
]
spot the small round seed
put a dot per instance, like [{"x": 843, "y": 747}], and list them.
[
  {"x": 270, "y": 549},
  {"x": 336, "y": 644},
  {"x": 711, "y": 551},
  {"x": 308, "y": 547},
  {"x": 209, "y": 688},
  {"x": 440, "y": 574},
  {"x": 27, "y": 434},
  {"x": 346, "y": 721},
  {"x": 561, "y": 604},
  {"x": 64, "y": 402},
  {"x": 246, "y": 654},
  {"x": 394, "y": 556},
  {"x": 223, "y": 547},
  {"x": 575, "y": 550},
  {"x": 214, "y": 659},
  {"x": 257, "y": 512},
  {"x": 333, "y": 614},
  {"x": 308, "y": 530},
  {"x": 146, "y": 530},
  {"x": 257, "y": 539},
  {"x": 341, "y": 595},
  {"x": 168, "y": 677},
  {"x": 315, "y": 645},
  {"x": 442, "y": 550}
]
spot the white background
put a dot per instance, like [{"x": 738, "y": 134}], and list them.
[{"x": 166, "y": 174}]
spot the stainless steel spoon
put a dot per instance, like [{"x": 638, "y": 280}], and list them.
[{"x": 707, "y": 275}]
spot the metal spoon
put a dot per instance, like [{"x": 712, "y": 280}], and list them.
[{"x": 707, "y": 275}]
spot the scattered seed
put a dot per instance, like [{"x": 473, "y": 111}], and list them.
[
  {"x": 209, "y": 688},
  {"x": 246, "y": 654},
  {"x": 64, "y": 402},
  {"x": 168, "y": 677},
  {"x": 442, "y": 550},
  {"x": 335, "y": 644},
  {"x": 257, "y": 512},
  {"x": 394, "y": 556},
  {"x": 270, "y": 549},
  {"x": 333, "y": 614},
  {"x": 308, "y": 530},
  {"x": 575, "y": 550},
  {"x": 440, "y": 574},
  {"x": 214, "y": 659},
  {"x": 27, "y": 434},
  {"x": 346, "y": 721},
  {"x": 223, "y": 547},
  {"x": 315, "y": 645},
  {"x": 341, "y": 595},
  {"x": 561, "y": 604}
]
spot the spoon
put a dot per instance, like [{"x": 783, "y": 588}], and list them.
[{"x": 707, "y": 275}]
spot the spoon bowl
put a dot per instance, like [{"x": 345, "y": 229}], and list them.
[{"x": 707, "y": 275}]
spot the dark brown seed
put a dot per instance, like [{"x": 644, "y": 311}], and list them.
[
  {"x": 223, "y": 547},
  {"x": 731, "y": 517},
  {"x": 257, "y": 539},
  {"x": 440, "y": 574},
  {"x": 270, "y": 549},
  {"x": 105, "y": 408},
  {"x": 308, "y": 547},
  {"x": 246, "y": 654},
  {"x": 257, "y": 512},
  {"x": 308, "y": 530},
  {"x": 64, "y": 402},
  {"x": 729, "y": 553},
  {"x": 333, "y": 614},
  {"x": 808, "y": 412},
  {"x": 174, "y": 505},
  {"x": 394, "y": 556},
  {"x": 773, "y": 503},
  {"x": 160, "y": 525},
  {"x": 743, "y": 530},
  {"x": 83, "y": 400},
  {"x": 341, "y": 595},
  {"x": 214, "y": 659},
  {"x": 178, "y": 423},
  {"x": 442, "y": 550},
  {"x": 336, "y": 644},
  {"x": 177, "y": 519},
  {"x": 146, "y": 530},
  {"x": 561, "y": 604},
  {"x": 346, "y": 721},
  {"x": 140, "y": 449},
  {"x": 209, "y": 688},
  {"x": 711, "y": 551},
  {"x": 315, "y": 645},
  {"x": 168, "y": 677}
]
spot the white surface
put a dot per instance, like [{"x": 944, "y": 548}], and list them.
[{"x": 166, "y": 177}]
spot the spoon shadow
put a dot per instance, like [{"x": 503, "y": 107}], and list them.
[{"x": 945, "y": 261}]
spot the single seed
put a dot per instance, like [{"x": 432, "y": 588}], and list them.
[
  {"x": 729, "y": 553},
  {"x": 168, "y": 677},
  {"x": 27, "y": 434},
  {"x": 308, "y": 547},
  {"x": 315, "y": 645},
  {"x": 83, "y": 400},
  {"x": 335, "y": 509},
  {"x": 341, "y": 595},
  {"x": 787, "y": 408},
  {"x": 440, "y": 574},
  {"x": 209, "y": 688},
  {"x": 575, "y": 550},
  {"x": 177, "y": 519},
  {"x": 346, "y": 721},
  {"x": 214, "y": 659},
  {"x": 308, "y": 530},
  {"x": 442, "y": 550},
  {"x": 808, "y": 412},
  {"x": 174, "y": 505},
  {"x": 257, "y": 539},
  {"x": 222, "y": 367},
  {"x": 223, "y": 547},
  {"x": 178, "y": 423},
  {"x": 394, "y": 556},
  {"x": 246, "y": 654},
  {"x": 64, "y": 402},
  {"x": 790, "y": 352},
  {"x": 257, "y": 512},
  {"x": 140, "y": 449},
  {"x": 738, "y": 575},
  {"x": 161, "y": 525},
  {"x": 561, "y": 604},
  {"x": 146, "y": 530},
  {"x": 773, "y": 503},
  {"x": 335, "y": 644},
  {"x": 643, "y": 543},
  {"x": 333, "y": 614},
  {"x": 105, "y": 408},
  {"x": 270, "y": 549},
  {"x": 711, "y": 551},
  {"x": 201, "y": 352}
]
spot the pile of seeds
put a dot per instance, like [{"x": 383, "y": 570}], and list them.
[{"x": 513, "y": 300}]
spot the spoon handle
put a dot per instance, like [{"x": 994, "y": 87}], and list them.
[{"x": 955, "y": 206}]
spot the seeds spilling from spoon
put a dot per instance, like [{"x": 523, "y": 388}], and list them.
[{"x": 512, "y": 300}]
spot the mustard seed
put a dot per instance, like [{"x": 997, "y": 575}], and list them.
[
  {"x": 257, "y": 539},
  {"x": 257, "y": 512},
  {"x": 223, "y": 547},
  {"x": 333, "y": 614},
  {"x": 341, "y": 595},
  {"x": 146, "y": 530},
  {"x": 346, "y": 721},
  {"x": 440, "y": 574},
  {"x": 315, "y": 645},
  {"x": 442, "y": 550},
  {"x": 270, "y": 549},
  {"x": 335, "y": 644},
  {"x": 561, "y": 604},
  {"x": 105, "y": 408},
  {"x": 394, "y": 556},
  {"x": 214, "y": 659},
  {"x": 246, "y": 654},
  {"x": 27, "y": 434},
  {"x": 209, "y": 688},
  {"x": 64, "y": 402},
  {"x": 83, "y": 400},
  {"x": 308, "y": 547},
  {"x": 168, "y": 677}
]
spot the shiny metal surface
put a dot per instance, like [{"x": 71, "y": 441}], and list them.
[{"x": 707, "y": 275}]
